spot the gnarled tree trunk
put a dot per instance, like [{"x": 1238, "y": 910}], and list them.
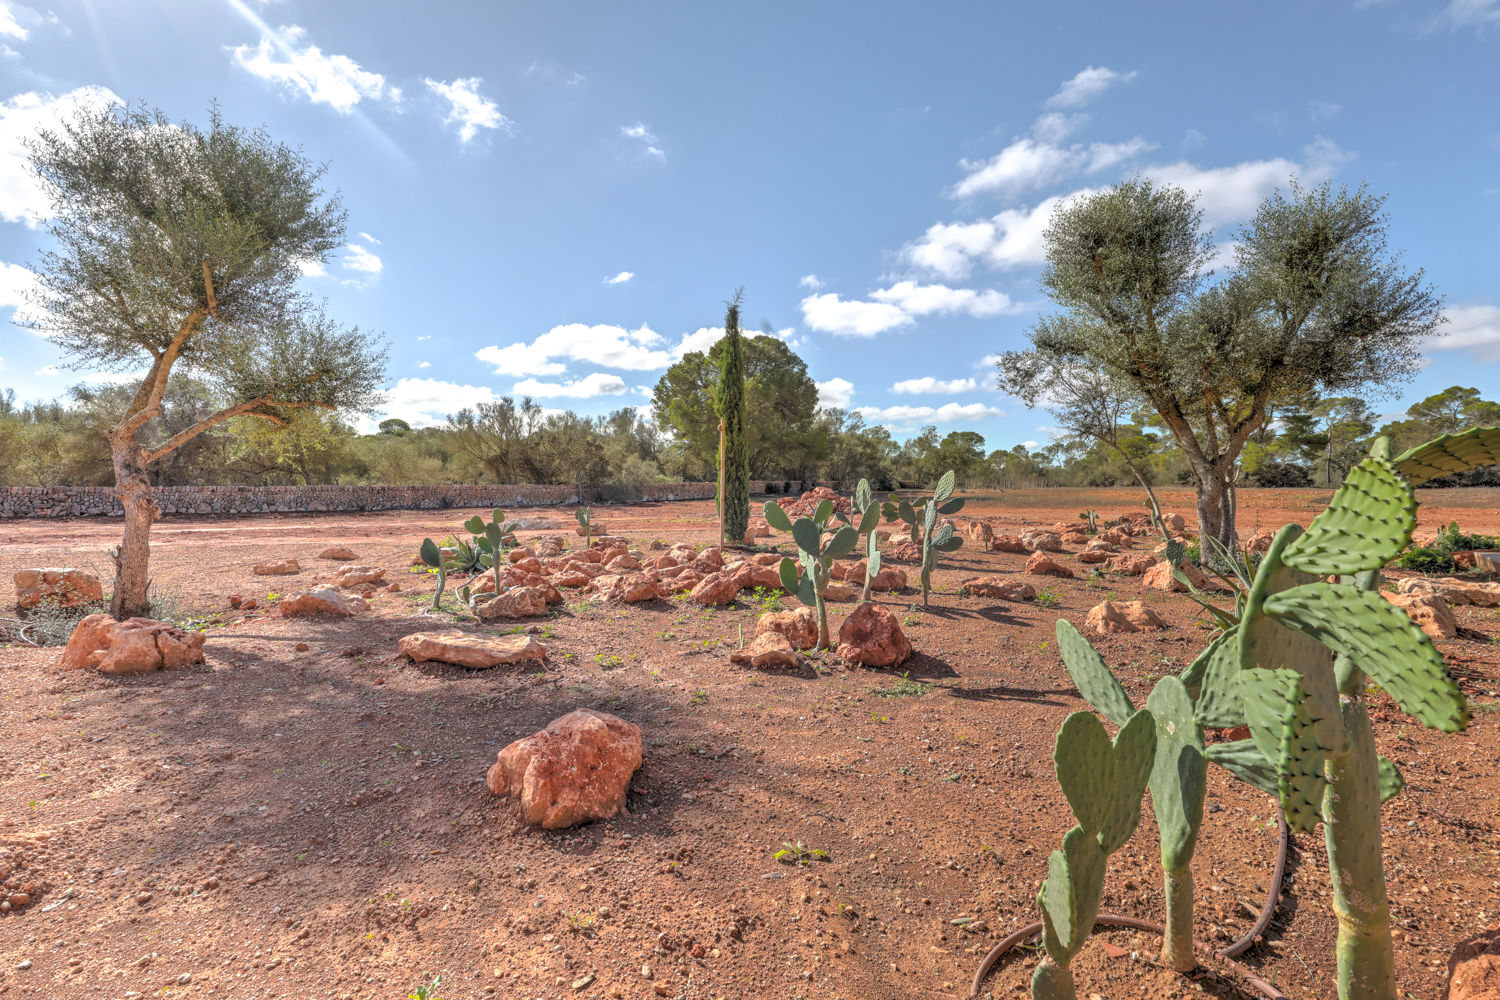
[
  {"x": 1216, "y": 509},
  {"x": 131, "y": 596}
]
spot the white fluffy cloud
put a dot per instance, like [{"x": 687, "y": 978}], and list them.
[
  {"x": 468, "y": 108},
  {"x": 1474, "y": 327},
  {"x": 1030, "y": 163},
  {"x": 909, "y": 417},
  {"x": 705, "y": 337},
  {"x": 620, "y": 278},
  {"x": 425, "y": 402},
  {"x": 1088, "y": 84},
  {"x": 835, "y": 394},
  {"x": 921, "y": 300},
  {"x": 898, "y": 306},
  {"x": 650, "y": 144},
  {"x": 854, "y": 318},
  {"x": 321, "y": 77},
  {"x": 361, "y": 259},
  {"x": 21, "y": 196},
  {"x": 9, "y": 26},
  {"x": 606, "y": 346},
  {"x": 1013, "y": 238},
  {"x": 16, "y": 282},
  {"x": 597, "y": 384},
  {"x": 928, "y": 385}
]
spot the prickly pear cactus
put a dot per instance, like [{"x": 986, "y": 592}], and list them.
[
  {"x": 1102, "y": 780},
  {"x": 432, "y": 555},
  {"x": 921, "y": 518},
  {"x": 867, "y": 512},
  {"x": 1449, "y": 454},
  {"x": 1368, "y": 523},
  {"x": 815, "y": 555},
  {"x": 1179, "y": 785}
]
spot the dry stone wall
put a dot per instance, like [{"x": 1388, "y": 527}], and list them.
[{"x": 100, "y": 501}]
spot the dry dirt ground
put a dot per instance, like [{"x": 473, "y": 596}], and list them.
[{"x": 315, "y": 824}]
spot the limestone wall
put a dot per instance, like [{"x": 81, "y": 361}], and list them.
[{"x": 100, "y": 501}]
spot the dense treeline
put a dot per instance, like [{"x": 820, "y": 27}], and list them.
[{"x": 62, "y": 443}]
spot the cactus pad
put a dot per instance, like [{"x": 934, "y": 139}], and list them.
[
  {"x": 1103, "y": 779},
  {"x": 1094, "y": 681},
  {"x": 1052, "y": 982},
  {"x": 1179, "y": 773},
  {"x": 1219, "y": 705},
  {"x": 1368, "y": 523},
  {"x": 1382, "y": 641},
  {"x": 1071, "y": 894},
  {"x": 1284, "y": 730},
  {"x": 1449, "y": 454}
]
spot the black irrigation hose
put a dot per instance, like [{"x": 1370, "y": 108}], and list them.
[{"x": 1223, "y": 956}]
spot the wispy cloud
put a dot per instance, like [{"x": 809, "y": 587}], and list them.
[
  {"x": 22, "y": 198},
  {"x": 620, "y": 278},
  {"x": 1088, "y": 84},
  {"x": 468, "y": 108},
  {"x": 597, "y": 384},
  {"x": 897, "y": 306},
  {"x": 362, "y": 259},
  {"x": 811, "y": 282},
  {"x": 911, "y": 417},
  {"x": 308, "y": 71},
  {"x": 650, "y": 144}
]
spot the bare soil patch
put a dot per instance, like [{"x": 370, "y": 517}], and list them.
[{"x": 284, "y": 823}]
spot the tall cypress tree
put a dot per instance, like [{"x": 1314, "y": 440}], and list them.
[{"x": 729, "y": 403}]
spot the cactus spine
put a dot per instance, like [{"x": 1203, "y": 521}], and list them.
[
  {"x": 1102, "y": 781},
  {"x": 921, "y": 517},
  {"x": 815, "y": 555}
]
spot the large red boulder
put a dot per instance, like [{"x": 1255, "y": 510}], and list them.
[
  {"x": 576, "y": 770},
  {"x": 1008, "y": 543},
  {"x": 324, "y": 599},
  {"x": 477, "y": 652},
  {"x": 872, "y": 636},
  {"x": 520, "y": 602},
  {"x": 768, "y": 649},
  {"x": 798, "y": 626},
  {"x": 716, "y": 589},
  {"x": 1122, "y": 616},
  {"x": 1005, "y": 590},
  {"x": 1040, "y": 564},
  {"x": 133, "y": 646},
  {"x": 63, "y": 587}
]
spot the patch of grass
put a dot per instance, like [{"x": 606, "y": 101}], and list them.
[
  {"x": 769, "y": 601},
  {"x": 609, "y": 662},
  {"x": 699, "y": 698},
  {"x": 904, "y": 687},
  {"x": 426, "y": 991},
  {"x": 1049, "y": 598}
]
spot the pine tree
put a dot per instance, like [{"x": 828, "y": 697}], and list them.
[{"x": 729, "y": 403}]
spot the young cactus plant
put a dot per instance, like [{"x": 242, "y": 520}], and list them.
[
  {"x": 921, "y": 517},
  {"x": 584, "y": 520},
  {"x": 815, "y": 555},
  {"x": 866, "y": 519},
  {"x": 1179, "y": 779},
  {"x": 491, "y": 539},
  {"x": 1102, "y": 781},
  {"x": 432, "y": 555}
]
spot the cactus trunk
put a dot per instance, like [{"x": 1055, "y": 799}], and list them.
[
  {"x": 1177, "y": 942},
  {"x": 1351, "y": 825},
  {"x": 823, "y": 642}
]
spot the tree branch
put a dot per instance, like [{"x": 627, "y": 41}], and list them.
[{"x": 182, "y": 437}]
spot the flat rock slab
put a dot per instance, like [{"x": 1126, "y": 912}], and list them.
[{"x": 465, "y": 649}]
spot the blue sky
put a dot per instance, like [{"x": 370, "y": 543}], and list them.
[{"x": 557, "y": 198}]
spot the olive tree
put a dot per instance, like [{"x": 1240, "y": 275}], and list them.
[
  {"x": 1315, "y": 304},
  {"x": 176, "y": 250}
]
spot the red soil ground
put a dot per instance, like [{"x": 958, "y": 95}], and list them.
[{"x": 310, "y": 824}]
